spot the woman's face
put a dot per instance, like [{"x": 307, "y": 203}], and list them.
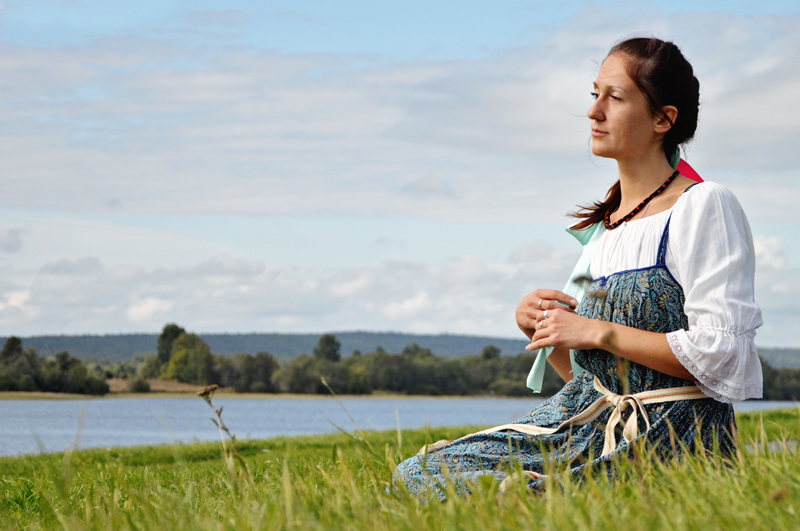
[{"x": 622, "y": 125}]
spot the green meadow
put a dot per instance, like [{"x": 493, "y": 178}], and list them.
[{"x": 339, "y": 482}]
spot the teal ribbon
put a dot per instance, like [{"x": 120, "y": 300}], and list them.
[
  {"x": 575, "y": 288},
  {"x": 588, "y": 237},
  {"x": 675, "y": 159}
]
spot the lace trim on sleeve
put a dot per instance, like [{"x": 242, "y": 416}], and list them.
[{"x": 718, "y": 389}]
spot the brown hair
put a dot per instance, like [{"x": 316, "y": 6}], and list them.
[{"x": 664, "y": 77}]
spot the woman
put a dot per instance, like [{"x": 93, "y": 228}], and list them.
[{"x": 662, "y": 339}]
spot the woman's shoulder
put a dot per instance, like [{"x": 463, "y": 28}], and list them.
[
  {"x": 706, "y": 198},
  {"x": 709, "y": 190},
  {"x": 709, "y": 210}
]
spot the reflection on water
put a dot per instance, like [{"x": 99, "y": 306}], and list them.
[{"x": 136, "y": 421}]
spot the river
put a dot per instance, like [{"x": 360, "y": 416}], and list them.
[{"x": 32, "y": 426}]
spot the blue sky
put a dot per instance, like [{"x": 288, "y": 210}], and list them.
[
  {"x": 313, "y": 166},
  {"x": 379, "y": 30}
]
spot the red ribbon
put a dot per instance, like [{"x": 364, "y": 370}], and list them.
[{"x": 688, "y": 171}]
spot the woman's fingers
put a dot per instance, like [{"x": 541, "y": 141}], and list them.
[
  {"x": 538, "y": 340},
  {"x": 553, "y": 305},
  {"x": 546, "y": 336},
  {"x": 540, "y": 305},
  {"x": 566, "y": 329},
  {"x": 536, "y": 317},
  {"x": 548, "y": 299},
  {"x": 531, "y": 320}
]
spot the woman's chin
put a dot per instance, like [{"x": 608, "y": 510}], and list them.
[{"x": 600, "y": 151}]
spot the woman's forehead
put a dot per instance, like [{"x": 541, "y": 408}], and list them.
[{"x": 614, "y": 73}]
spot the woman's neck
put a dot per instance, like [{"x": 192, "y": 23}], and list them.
[{"x": 639, "y": 177}]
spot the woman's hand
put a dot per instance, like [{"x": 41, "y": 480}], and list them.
[
  {"x": 562, "y": 327},
  {"x": 531, "y": 308}
]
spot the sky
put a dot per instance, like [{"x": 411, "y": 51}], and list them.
[{"x": 314, "y": 166}]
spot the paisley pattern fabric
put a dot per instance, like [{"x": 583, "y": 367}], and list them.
[{"x": 648, "y": 299}]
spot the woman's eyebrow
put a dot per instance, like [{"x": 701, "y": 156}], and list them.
[{"x": 610, "y": 87}]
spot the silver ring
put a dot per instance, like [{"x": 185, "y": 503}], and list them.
[
  {"x": 540, "y": 303},
  {"x": 541, "y": 323},
  {"x": 545, "y": 314}
]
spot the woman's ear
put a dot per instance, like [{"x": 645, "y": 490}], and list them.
[{"x": 666, "y": 119}]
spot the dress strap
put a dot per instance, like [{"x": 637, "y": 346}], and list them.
[
  {"x": 690, "y": 187},
  {"x": 662, "y": 247}
]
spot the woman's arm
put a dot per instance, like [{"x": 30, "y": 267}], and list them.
[
  {"x": 713, "y": 258},
  {"x": 559, "y": 359},
  {"x": 565, "y": 330}
]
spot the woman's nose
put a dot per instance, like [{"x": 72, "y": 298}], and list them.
[{"x": 595, "y": 112}]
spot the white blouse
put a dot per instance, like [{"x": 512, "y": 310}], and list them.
[{"x": 710, "y": 253}]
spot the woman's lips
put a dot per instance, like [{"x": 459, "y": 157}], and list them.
[{"x": 597, "y": 132}]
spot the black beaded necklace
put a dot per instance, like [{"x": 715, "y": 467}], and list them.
[{"x": 611, "y": 226}]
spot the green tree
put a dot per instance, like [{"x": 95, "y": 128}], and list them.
[
  {"x": 22, "y": 372},
  {"x": 389, "y": 372},
  {"x": 415, "y": 351},
  {"x": 27, "y": 371},
  {"x": 490, "y": 352},
  {"x": 169, "y": 334},
  {"x": 190, "y": 361},
  {"x": 65, "y": 374},
  {"x": 300, "y": 376},
  {"x": 12, "y": 350},
  {"x": 328, "y": 348},
  {"x": 227, "y": 370},
  {"x": 65, "y": 362},
  {"x": 357, "y": 381},
  {"x": 138, "y": 385},
  {"x": 151, "y": 368},
  {"x": 256, "y": 373}
]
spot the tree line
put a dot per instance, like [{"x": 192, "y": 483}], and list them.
[
  {"x": 114, "y": 348},
  {"x": 183, "y": 356},
  {"x": 25, "y": 370}
]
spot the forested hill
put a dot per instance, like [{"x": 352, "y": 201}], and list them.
[{"x": 286, "y": 346}]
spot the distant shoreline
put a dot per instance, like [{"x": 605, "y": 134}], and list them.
[{"x": 40, "y": 395}]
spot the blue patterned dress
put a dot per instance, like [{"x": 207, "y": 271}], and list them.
[{"x": 649, "y": 299}]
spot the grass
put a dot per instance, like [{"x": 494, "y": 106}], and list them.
[{"x": 339, "y": 482}]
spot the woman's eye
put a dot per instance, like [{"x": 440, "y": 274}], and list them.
[
  {"x": 594, "y": 95},
  {"x": 616, "y": 98}
]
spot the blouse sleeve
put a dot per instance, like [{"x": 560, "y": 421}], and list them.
[{"x": 711, "y": 247}]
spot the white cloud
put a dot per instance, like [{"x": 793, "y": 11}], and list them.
[
  {"x": 15, "y": 299},
  {"x": 147, "y": 308},
  {"x": 15, "y": 306},
  {"x": 81, "y": 266},
  {"x": 351, "y": 284},
  {"x": 461, "y": 295},
  {"x": 223, "y": 294},
  {"x": 91, "y": 129},
  {"x": 10, "y": 240},
  {"x": 770, "y": 252},
  {"x": 777, "y": 292},
  {"x": 427, "y": 187},
  {"x": 409, "y": 307}
]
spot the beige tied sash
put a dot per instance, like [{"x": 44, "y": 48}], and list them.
[{"x": 620, "y": 403}]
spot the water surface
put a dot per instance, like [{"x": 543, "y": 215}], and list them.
[{"x": 32, "y": 426}]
